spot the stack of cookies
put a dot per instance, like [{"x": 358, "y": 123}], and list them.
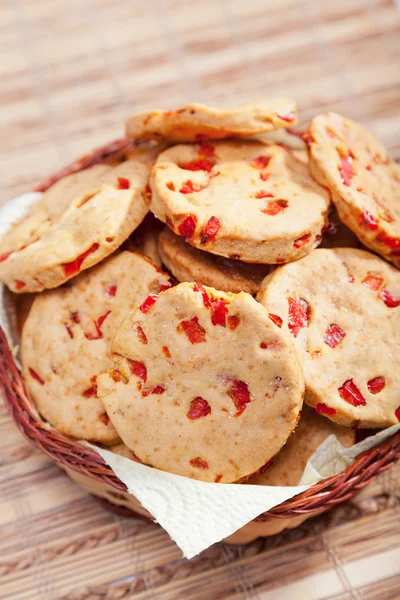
[{"x": 181, "y": 310}]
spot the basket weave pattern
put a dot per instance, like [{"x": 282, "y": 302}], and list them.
[{"x": 67, "y": 452}]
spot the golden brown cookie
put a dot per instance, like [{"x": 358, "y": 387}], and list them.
[
  {"x": 195, "y": 122},
  {"x": 79, "y": 221},
  {"x": 287, "y": 467},
  {"x": 342, "y": 308},
  {"x": 209, "y": 387},
  {"x": 66, "y": 342},
  {"x": 187, "y": 263},
  {"x": 249, "y": 201},
  {"x": 364, "y": 181}
]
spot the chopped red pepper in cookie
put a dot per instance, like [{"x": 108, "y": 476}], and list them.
[
  {"x": 140, "y": 333},
  {"x": 139, "y": 369},
  {"x": 199, "y": 463},
  {"x": 219, "y": 312},
  {"x": 188, "y": 187},
  {"x": 187, "y": 227},
  {"x": 74, "y": 266},
  {"x": 123, "y": 183},
  {"x": 351, "y": 394},
  {"x": 203, "y": 164},
  {"x": 110, "y": 290},
  {"x": 157, "y": 390},
  {"x": 211, "y": 229},
  {"x": 301, "y": 241},
  {"x": 390, "y": 299},
  {"x": 206, "y": 300},
  {"x": 274, "y": 208},
  {"x": 277, "y": 320},
  {"x": 260, "y": 162},
  {"x": 376, "y": 385},
  {"x": 323, "y": 409},
  {"x": 346, "y": 170},
  {"x": 198, "y": 408},
  {"x": 368, "y": 220},
  {"x": 334, "y": 335},
  {"x": 148, "y": 303},
  {"x": 299, "y": 315},
  {"x": 373, "y": 282},
  {"x": 233, "y": 322},
  {"x": 36, "y": 376},
  {"x": 195, "y": 332},
  {"x": 240, "y": 394}
]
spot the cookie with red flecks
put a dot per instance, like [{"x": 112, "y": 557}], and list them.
[
  {"x": 195, "y": 122},
  {"x": 187, "y": 263},
  {"x": 342, "y": 309},
  {"x": 364, "y": 181},
  {"x": 67, "y": 337},
  {"x": 214, "y": 390},
  {"x": 287, "y": 467},
  {"x": 249, "y": 201},
  {"x": 77, "y": 222}
]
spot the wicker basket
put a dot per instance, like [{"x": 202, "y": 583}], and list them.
[{"x": 89, "y": 470}]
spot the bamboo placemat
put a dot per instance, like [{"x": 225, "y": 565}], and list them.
[{"x": 70, "y": 73}]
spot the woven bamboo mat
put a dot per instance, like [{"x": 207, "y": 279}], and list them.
[{"x": 71, "y": 71}]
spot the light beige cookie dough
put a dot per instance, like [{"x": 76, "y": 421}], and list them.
[
  {"x": 214, "y": 391},
  {"x": 287, "y": 467},
  {"x": 79, "y": 221},
  {"x": 187, "y": 263},
  {"x": 342, "y": 309},
  {"x": 247, "y": 201},
  {"x": 66, "y": 342},
  {"x": 364, "y": 181},
  {"x": 195, "y": 122}
]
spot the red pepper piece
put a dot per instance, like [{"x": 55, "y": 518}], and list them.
[
  {"x": 19, "y": 284},
  {"x": 74, "y": 266},
  {"x": 218, "y": 478},
  {"x": 389, "y": 241},
  {"x": 233, "y": 322},
  {"x": 140, "y": 333},
  {"x": 346, "y": 170},
  {"x": 123, "y": 183},
  {"x": 323, "y": 409},
  {"x": 187, "y": 227},
  {"x": 263, "y": 194},
  {"x": 199, "y": 463},
  {"x": 110, "y": 290},
  {"x": 158, "y": 390},
  {"x": 166, "y": 352},
  {"x": 397, "y": 413},
  {"x": 376, "y": 385},
  {"x": 69, "y": 330},
  {"x": 219, "y": 312},
  {"x": 389, "y": 299},
  {"x": 368, "y": 220},
  {"x": 206, "y": 300},
  {"x": 373, "y": 282},
  {"x": 206, "y": 150},
  {"x": 334, "y": 335},
  {"x": 260, "y": 162},
  {"x": 264, "y": 176},
  {"x": 102, "y": 318},
  {"x": 288, "y": 118},
  {"x": 211, "y": 229},
  {"x": 4, "y": 257},
  {"x": 299, "y": 315},
  {"x": 202, "y": 164},
  {"x": 171, "y": 186},
  {"x": 240, "y": 394},
  {"x": 198, "y": 408},
  {"x": 277, "y": 320},
  {"x": 139, "y": 369},
  {"x": 36, "y": 376},
  {"x": 188, "y": 187},
  {"x": 274, "y": 208},
  {"x": 351, "y": 394},
  {"x": 195, "y": 332},
  {"x": 148, "y": 303},
  {"x": 301, "y": 241},
  {"x": 90, "y": 392}
]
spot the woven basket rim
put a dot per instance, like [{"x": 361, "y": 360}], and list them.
[{"x": 72, "y": 454}]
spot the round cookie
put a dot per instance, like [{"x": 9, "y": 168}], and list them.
[
  {"x": 187, "y": 263},
  {"x": 364, "y": 181},
  {"x": 66, "y": 342},
  {"x": 195, "y": 122},
  {"x": 287, "y": 467},
  {"x": 249, "y": 201},
  {"x": 79, "y": 221},
  {"x": 342, "y": 308},
  {"x": 213, "y": 392}
]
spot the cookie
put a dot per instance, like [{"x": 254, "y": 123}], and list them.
[
  {"x": 364, "y": 181},
  {"x": 249, "y": 201},
  {"x": 187, "y": 263},
  {"x": 195, "y": 122},
  {"x": 79, "y": 221},
  {"x": 145, "y": 239},
  {"x": 287, "y": 467},
  {"x": 205, "y": 385},
  {"x": 342, "y": 309},
  {"x": 66, "y": 342}
]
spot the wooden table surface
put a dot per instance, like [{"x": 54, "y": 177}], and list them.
[{"x": 71, "y": 71}]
